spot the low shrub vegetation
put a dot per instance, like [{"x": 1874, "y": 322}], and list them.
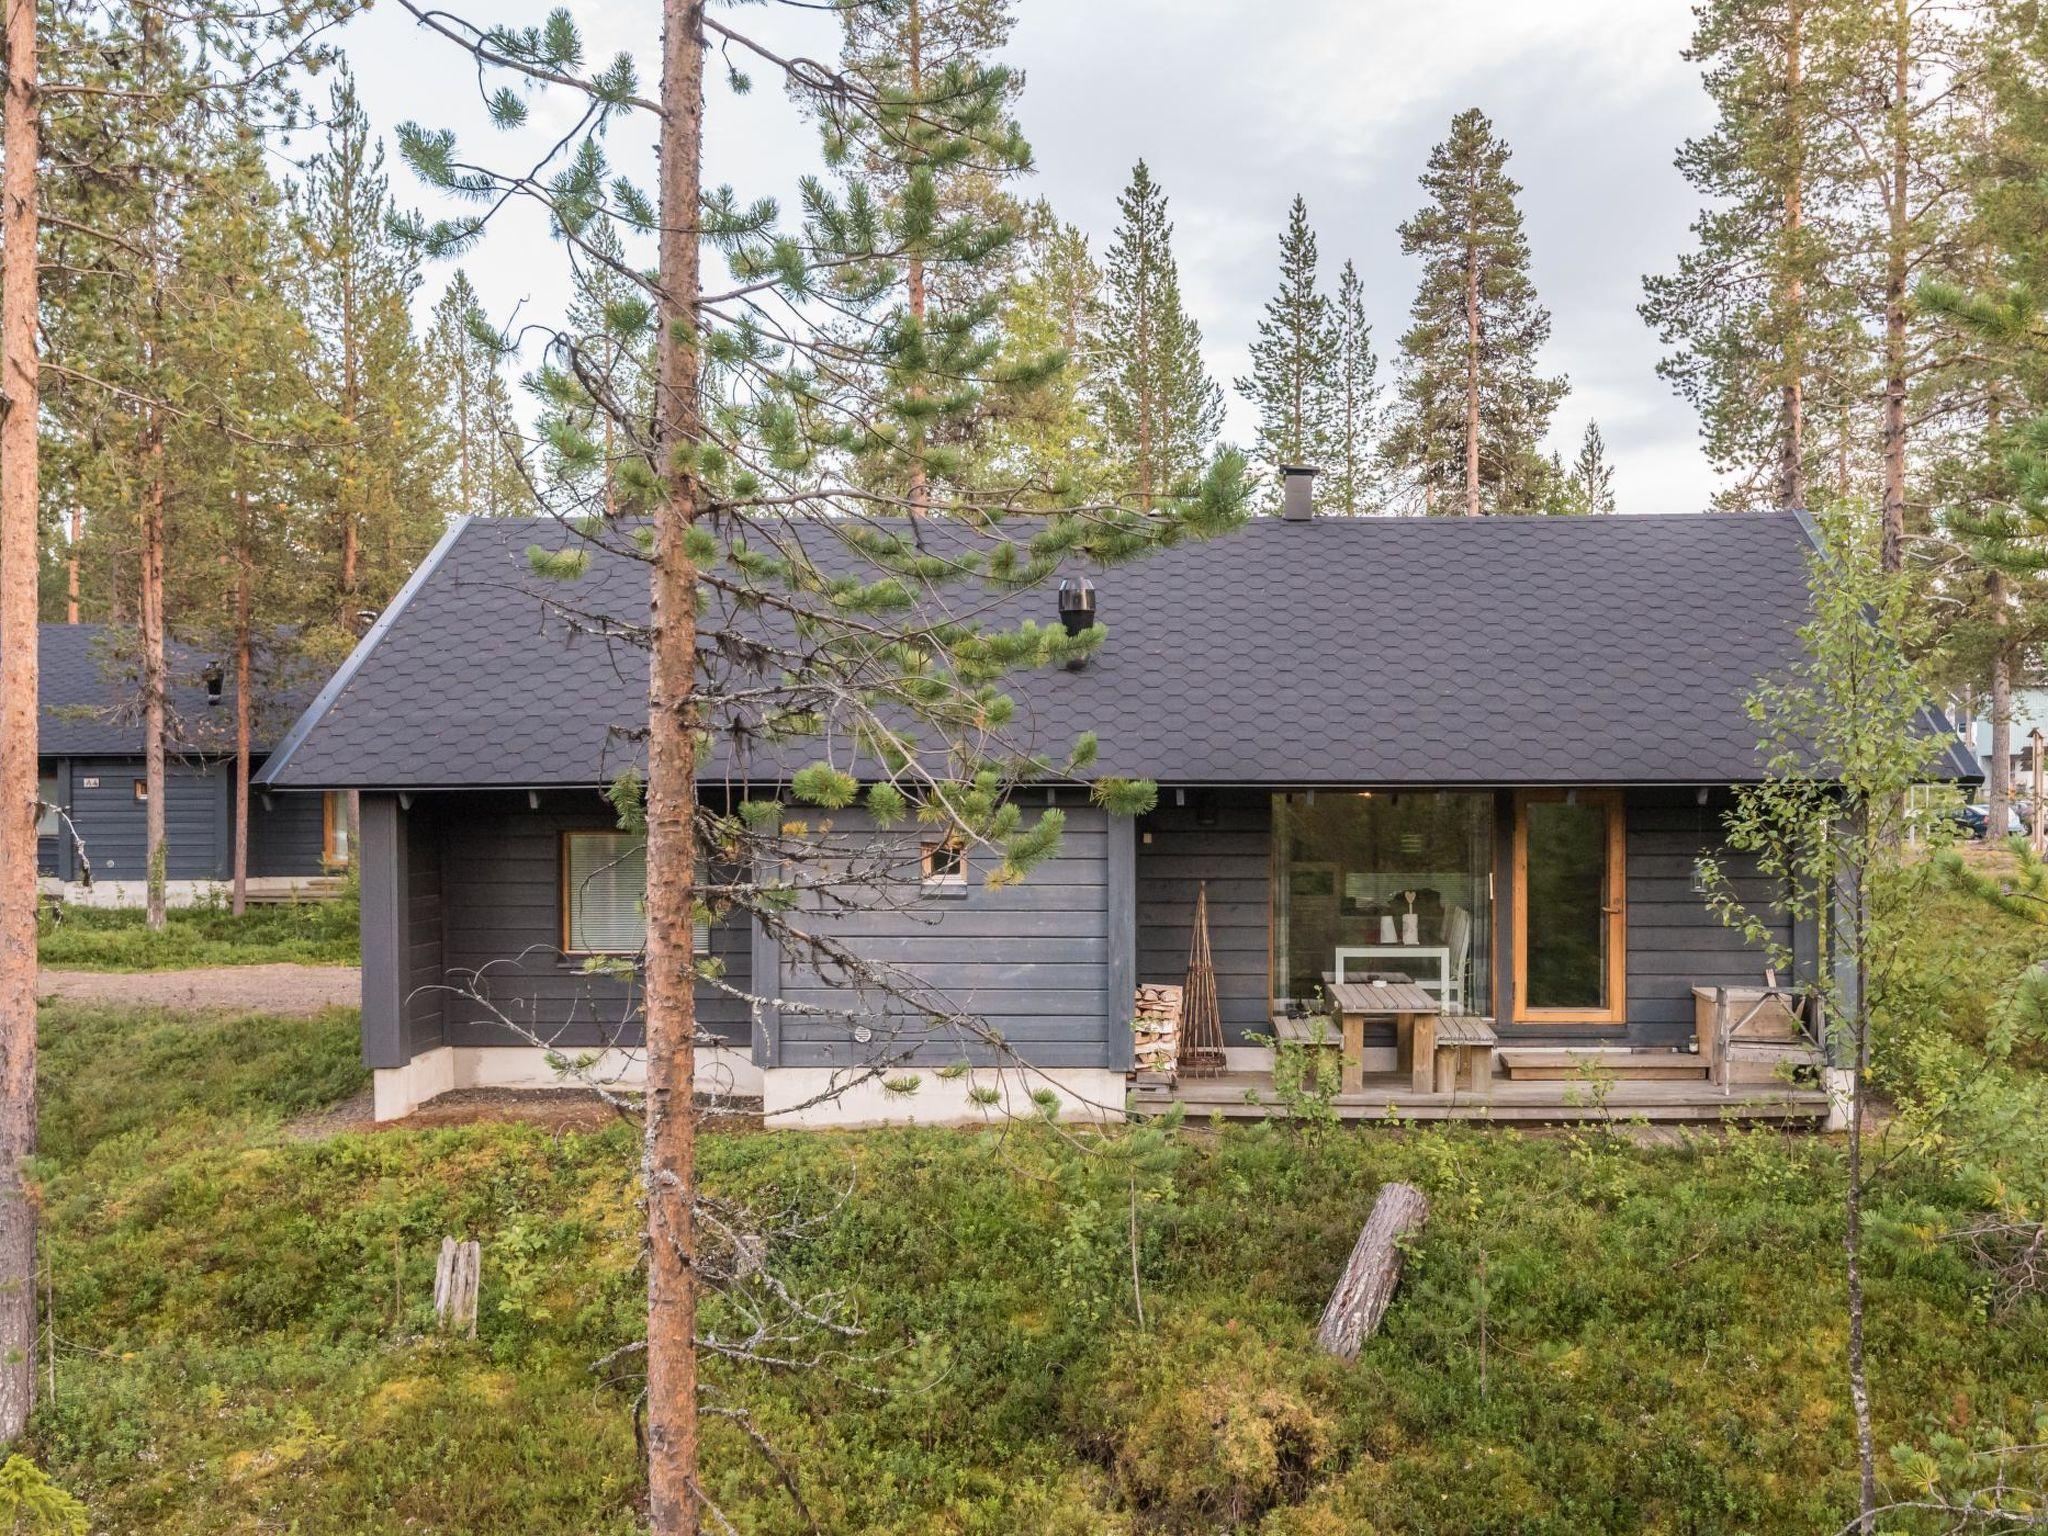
[
  {"x": 1590, "y": 1336},
  {"x": 118, "y": 939}
]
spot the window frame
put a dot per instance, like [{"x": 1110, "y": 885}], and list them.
[
  {"x": 700, "y": 930},
  {"x": 51, "y": 810},
  {"x": 334, "y": 830},
  {"x": 1615, "y": 909},
  {"x": 567, "y": 911},
  {"x": 930, "y": 876}
]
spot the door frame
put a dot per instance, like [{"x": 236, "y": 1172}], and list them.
[{"x": 1616, "y": 908}]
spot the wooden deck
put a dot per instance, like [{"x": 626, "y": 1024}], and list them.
[{"x": 1389, "y": 1095}]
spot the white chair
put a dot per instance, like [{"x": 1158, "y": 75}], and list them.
[{"x": 1457, "y": 939}]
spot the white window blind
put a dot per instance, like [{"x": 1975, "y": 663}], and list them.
[
  {"x": 607, "y": 892},
  {"x": 607, "y": 895}
]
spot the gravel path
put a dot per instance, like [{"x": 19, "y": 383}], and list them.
[{"x": 285, "y": 989}]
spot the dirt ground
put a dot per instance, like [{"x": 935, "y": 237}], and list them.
[{"x": 285, "y": 989}]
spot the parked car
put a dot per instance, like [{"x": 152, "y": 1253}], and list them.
[{"x": 1976, "y": 820}]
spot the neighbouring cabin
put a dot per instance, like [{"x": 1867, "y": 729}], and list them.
[
  {"x": 93, "y": 786},
  {"x": 1476, "y": 764}
]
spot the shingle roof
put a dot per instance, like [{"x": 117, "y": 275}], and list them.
[
  {"x": 1372, "y": 651},
  {"x": 89, "y": 693}
]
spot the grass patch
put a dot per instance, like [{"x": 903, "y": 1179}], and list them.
[
  {"x": 118, "y": 938},
  {"x": 110, "y": 1072},
  {"x": 248, "y": 1340}
]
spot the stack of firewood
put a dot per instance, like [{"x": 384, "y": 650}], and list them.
[{"x": 1155, "y": 1024}]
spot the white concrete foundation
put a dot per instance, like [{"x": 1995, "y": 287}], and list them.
[
  {"x": 398, "y": 1091},
  {"x": 822, "y": 1097},
  {"x": 1840, "y": 1083},
  {"x": 185, "y": 893}
]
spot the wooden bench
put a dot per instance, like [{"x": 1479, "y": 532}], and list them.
[{"x": 1464, "y": 1050}]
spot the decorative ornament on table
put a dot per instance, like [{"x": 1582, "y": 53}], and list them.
[
  {"x": 1410, "y": 928},
  {"x": 1387, "y": 929}
]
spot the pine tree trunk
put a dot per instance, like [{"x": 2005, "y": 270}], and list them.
[
  {"x": 71, "y": 566},
  {"x": 1998, "y": 772},
  {"x": 1472, "y": 366},
  {"x": 18, "y": 783},
  {"x": 154, "y": 685},
  {"x": 1792, "y": 445},
  {"x": 1148, "y": 393},
  {"x": 1892, "y": 552},
  {"x": 671, "y": 1131},
  {"x": 920, "y": 492},
  {"x": 245, "y": 570}
]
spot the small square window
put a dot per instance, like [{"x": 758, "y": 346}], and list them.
[
  {"x": 142, "y": 790},
  {"x": 49, "y": 818},
  {"x": 945, "y": 862}
]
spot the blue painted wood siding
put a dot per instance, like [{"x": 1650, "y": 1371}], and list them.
[
  {"x": 496, "y": 880},
  {"x": 1030, "y": 961},
  {"x": 1234, "y": 854}
]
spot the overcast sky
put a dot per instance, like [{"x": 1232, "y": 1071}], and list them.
[{"x": 1237, "y": 105}]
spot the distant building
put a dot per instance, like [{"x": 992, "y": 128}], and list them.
[{"x": 90, "y": 763}]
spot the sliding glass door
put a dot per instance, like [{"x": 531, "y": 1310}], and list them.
[{"x": 1570, "y": 908}]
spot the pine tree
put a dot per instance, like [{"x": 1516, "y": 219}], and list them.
[
  {"x": 1293, "y": 383},
  {"x": 1770, "y": 349},
  {"x": 1592, "y": 477},
  {"x": 387, "y": 455},
  {"x": 929, "y": 189},
  {"x": 760, "y": 497},
  {"x": 1349, "y": 484},
  {"x": 1160, "y": 409},
  {"x": 598, "y": 372},
  {"x": 1473, "y": 407},
  {"x": 465, "y": 360},
  {"x": 1050, "y": 439}
]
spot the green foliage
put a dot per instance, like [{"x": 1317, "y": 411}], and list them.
[
  {"x": 208, "y": 933},
  {"x": 1469, "y": 236},
  {"x": 111, "y": 1072},
  {"x": 1293, "y": 383},
  {"x": 1160, "y": 409},
  {"x": 32, "y": 1505},
  {"x": 251, "y": 1318}
]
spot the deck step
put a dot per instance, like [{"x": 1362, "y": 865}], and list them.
[{"x": 1529, "y": 1063}]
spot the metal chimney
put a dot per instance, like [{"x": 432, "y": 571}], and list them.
[
  {"x": 1297, "y": 492},
  {"x": 1077, "y": 610}
]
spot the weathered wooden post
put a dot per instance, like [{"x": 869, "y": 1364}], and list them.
[
  {"x": 1366, "y": 1287},
  {"x": 455, "y": 1282}
]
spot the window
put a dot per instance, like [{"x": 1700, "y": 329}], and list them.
[
  {"x": 48, "y": 820},
  {"x": 945, "y": 862},
  {"x": 142, "y": 790},
  {"x": 604, "y": 893},
  {"x": 1385, "y": 880},
  {"x": 334, "y": 830}
]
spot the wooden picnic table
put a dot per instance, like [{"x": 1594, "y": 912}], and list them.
[{"x": 1414, "y": 1012}]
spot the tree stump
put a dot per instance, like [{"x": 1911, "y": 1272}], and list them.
[
  {"x": 1366, "y": 1287},
  {"x": 455, "y": 1281}
]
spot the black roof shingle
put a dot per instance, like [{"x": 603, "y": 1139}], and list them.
[
  {"x": 1495, "y": 651},
  {"x": 89, "y": 697}
]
